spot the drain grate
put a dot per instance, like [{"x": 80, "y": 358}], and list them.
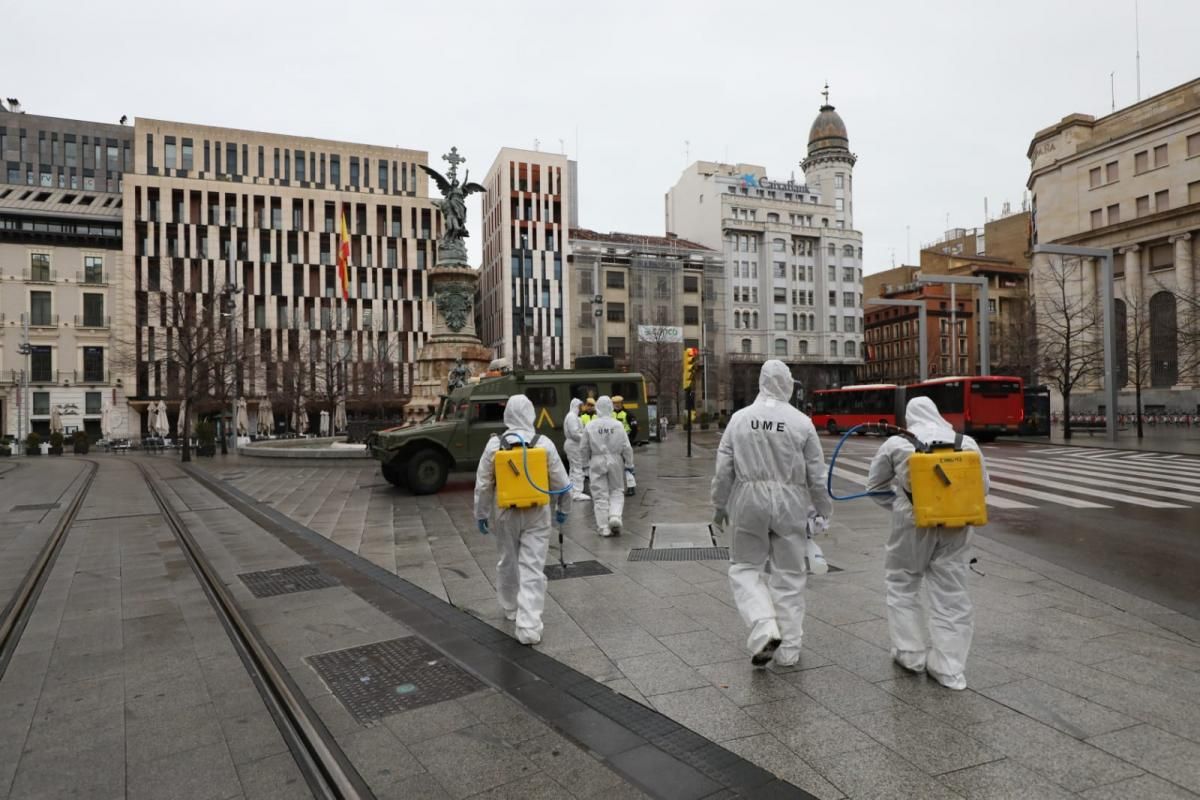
[
  {"x": 679, "y": 554},
  {"x": 34, "y": 507},
  {"x": 377, "y": 680},
  {"x": 286, "y": 580},
  {"x": 578, "y": 569}
]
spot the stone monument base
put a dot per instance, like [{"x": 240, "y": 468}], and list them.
[{"x": 434, "y": 363}]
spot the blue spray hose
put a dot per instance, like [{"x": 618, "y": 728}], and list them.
[
  {"x": 525, "y": 464},
  {"x": 833, "y": 460}
]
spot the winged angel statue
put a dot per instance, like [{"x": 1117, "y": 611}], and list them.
[{"x": 454, "y": 208}]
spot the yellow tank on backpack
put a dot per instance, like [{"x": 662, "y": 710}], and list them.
[
  {"x": 513, "y": 489},
  {"x": 947, "y": 489}
]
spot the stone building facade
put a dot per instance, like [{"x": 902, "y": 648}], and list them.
[
  {"x": 60, "y": 258},
  {"x": 1129, "y": 181},
  {"x": 793, "y": 277}
]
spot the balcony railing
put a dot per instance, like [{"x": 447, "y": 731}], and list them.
[
  {"x": 91, "y": 278},
  {"x": 92, "y": 322},
  {"x": 38, "y": 275},
  {"x": 86, "y": 376},
  {"x": 43, "y": 320}
]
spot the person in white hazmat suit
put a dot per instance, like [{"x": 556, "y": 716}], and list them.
[
  {"x": 609, "y": 455},
  {"x": 938, "y": 556},
  {"x": 770, "y": 488},
  {"x": 522, "y": 534},
  {"x": 573, "y": 430}
]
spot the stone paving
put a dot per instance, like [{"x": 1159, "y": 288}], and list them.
[{"x": 1074, "y": 689}]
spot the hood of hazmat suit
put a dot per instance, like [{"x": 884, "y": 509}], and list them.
[
  {"x": 522, "y": 534},
  {"x": 937, "y": 557}
]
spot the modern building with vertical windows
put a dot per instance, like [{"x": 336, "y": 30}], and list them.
[
  {"x": 1130, "y": 181},
  {"x": 523, "y": 287},
  {"x": 60, "y": 255},
  {"x": 208, "y": 206},
  {"x": 793, "y": 259}
]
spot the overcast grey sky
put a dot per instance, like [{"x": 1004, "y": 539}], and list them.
[{"x": 940, "y": 98}]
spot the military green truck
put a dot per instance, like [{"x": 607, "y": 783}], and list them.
[{"x": 421, "y": 456}]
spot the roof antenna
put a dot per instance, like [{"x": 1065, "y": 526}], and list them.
[
  {"x": 1112, "y": 88},
  {"x": 1137, "y": 44},
  {"x": 687, "y": 152}
]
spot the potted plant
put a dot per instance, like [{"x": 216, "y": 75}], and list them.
[
  {"x": 205, "y": 439},
  {"x": 33, "y": 444},
  {"x": 79, "y": 443},
  {"x": 56, "y": 444}
]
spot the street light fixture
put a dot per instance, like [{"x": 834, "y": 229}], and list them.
[
  {"x": 1108, "y": 298},
  {"x": 985, "y": 367},
  {"x": 922, "y": 344}
]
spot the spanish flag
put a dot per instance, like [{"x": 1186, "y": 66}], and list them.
[{"x": 343, "y": 263}]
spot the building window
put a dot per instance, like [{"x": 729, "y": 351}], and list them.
[
  {"x": 39, "y": 267},
  {"x": 1194, "y": 192},
  {"x": 383, "y": 174},
  {"x": 40, "y": 308},
  {"x": 778, "y": 245},
  {"x": 614, "y": 280},
  {"x": 169, "y": 152},
  {"x": 93, "y": 365},
  {"x": 780, "y": 295},
  {"x": 1143, "y": 205},
  {"x": 93, "y": 269},
  {"x": 93, "y": 310},
  {"x": 1162, "y": 256},
  {"x": 92, "y": 403},
  {"x": 616, "y": 312},
  {"x": 40, "y": 367},
  {"x": 781, "y": 322},
  {"x": 839, "y": 180},
  {"x": 1098, "y": 218},
  {"x": 1164, "y": 367},
  {"x": 780, "y": 269},
  {"x": 781, "y": 347},
  {"x": 848, "y": 274},
  {"x": 839, "y": 204},
  {"x": 832, "y": 299},
  {"x": 691, "y": 283},
  {"x": 1114, "y": 214},
  {"x": 616, "y": 346},
  {"x": 691, "y": 315},
  {"x": 1111, "y": 172},
  {"x": 1141, "y": 162},
  {"x": 747, "y": 346},
  {"x": 1160, "y": 156},
  {"x": 230, "y": 158},
  {"x": 1094, "y": 179},
  {"x": 1162, "y": 200},
  {"x": 41, "y": 404},
  {"x": 848, "y": 299},
  {"x": 354, "y": 171},
  {"x": 335, "y": 170}
]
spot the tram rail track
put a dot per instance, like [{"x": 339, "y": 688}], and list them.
[
  {"x": 15, "y": 615},
  {"x": 326, "y": 768}
]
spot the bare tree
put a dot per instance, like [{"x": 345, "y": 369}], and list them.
[
  {"x": 660, "y": 360},
  {"x": 1069, "y": 351},
  {"x": 380, "y": 387},
  {"x": 1134, "y": 366},
  {"x": 330, "y": 359},
  {"x": 1014, "y": 348},
  {"x": 295, "y": 387}
]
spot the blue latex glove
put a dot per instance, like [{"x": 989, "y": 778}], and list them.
[
  {"x": 560, "y": 517},
  {"x": 483, "y": 526}
]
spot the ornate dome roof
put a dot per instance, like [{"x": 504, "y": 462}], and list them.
[{"x": 828, "y": 132}]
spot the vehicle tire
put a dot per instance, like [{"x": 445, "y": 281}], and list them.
[
  {"x": 427, "y": 471},
  {"x": 394, "y": 474},
  {"x": 831, "y": 428}
]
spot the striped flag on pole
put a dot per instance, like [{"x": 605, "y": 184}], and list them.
[{"x": 343, "y": 261}]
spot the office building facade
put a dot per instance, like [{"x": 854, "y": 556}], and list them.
[
  {"x": 60, "y": 259},
  {"x": 521, "y": 311},
  {"x": 207, "y": 208},
  {"x": 793, "y": 258}
]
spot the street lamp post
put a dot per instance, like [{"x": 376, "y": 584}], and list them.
[
  {"x": 922, "y": 343},
  {"x": 985, "y": 358},
  {"x": 1108, "y": 301}
]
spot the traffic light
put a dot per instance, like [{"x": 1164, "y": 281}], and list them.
[{"x": 690, "y": 354}]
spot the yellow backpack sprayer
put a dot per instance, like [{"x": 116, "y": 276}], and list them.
[
  {"x": 521, "y": 487},
  {"x": 947, "y": 481}
]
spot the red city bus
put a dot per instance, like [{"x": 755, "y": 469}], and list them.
[
  {"x": 982, "y": 407},
  {"x": 841, "y": 409}
]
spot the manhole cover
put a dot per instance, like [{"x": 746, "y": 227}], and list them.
[
  {"x": 34, "y": 507},
  {"x": 286, "y": 580},
  {"x": 577, "y": 569},
  {"x": 377, "y": 680},
  {"x": 679, "y": 554}
]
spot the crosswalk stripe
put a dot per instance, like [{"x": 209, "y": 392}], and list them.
[
  {"x": 1147, "y": 469},
  {"x": 1128, "y": 483},
  {"x": 992, "y": 500},
  {"x": 1148, "y": 476},
  {"x": 1066, "y": 487}
]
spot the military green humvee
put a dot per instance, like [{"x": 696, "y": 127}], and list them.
[{"x": 421, "y": 456}]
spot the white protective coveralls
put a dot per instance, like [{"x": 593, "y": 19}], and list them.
[
  {"x": 608, "y": 454},
  {"x": 770, "y": 478},
  {"x": 573, "y": 430},
  {"x": 938, "y": 555},
  {"x": 522, "y": 534}
]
